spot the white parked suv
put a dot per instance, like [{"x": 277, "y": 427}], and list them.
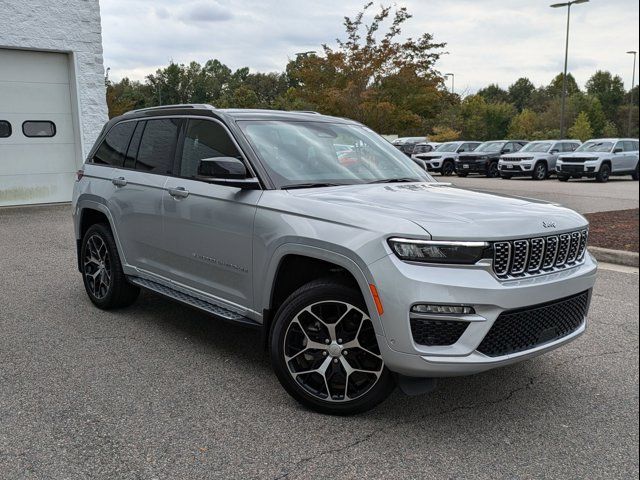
[
  {"x": 599, "y": 159},
  {"x": 443, "y": 158},
  {"x": 536, "y": 159}
]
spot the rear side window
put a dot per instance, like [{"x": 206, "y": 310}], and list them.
[
  {"x": 158, "y": 146},
  {"x": 134, "y": 144},
  {"x": 204, "y": 139},
  {"x": 5, "y": 129},
  {"x": 629, "y": 146},
  {"x": 38, "y": 128},
  {"x": 113, "y": 147}
]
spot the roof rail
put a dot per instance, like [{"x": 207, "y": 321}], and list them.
[
  {"x": 167, "y": 107},
  {"x": 308, "y": 111}
]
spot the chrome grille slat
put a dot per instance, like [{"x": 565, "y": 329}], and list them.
[{"x": 526, "y": 257}]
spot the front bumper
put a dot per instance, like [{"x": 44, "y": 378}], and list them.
[
  {"x": 472, "y": 166},
  {"x": 401, "y": 285},
  {"x": 515, "y": 168},
  {"x": 578, "y": 169}
]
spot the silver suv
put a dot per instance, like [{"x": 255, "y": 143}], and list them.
[
  {"x": 600, "y": 159},
  {"x": 360, "y": 269},
  {"x": 536, "y": 159},
  {"x": 442, "y": 158}
]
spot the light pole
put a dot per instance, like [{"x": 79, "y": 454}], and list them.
[
  {"x": 566, "y": 56},
  {"x": 633, "y": 84},
  {"x": 452, "y": 81}
]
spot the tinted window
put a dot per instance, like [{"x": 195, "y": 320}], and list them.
[
  {"x": 5, "y": 129},
  {"x": 510, "y": 147},
  {"x": 619, "y": 145},
  {"x": 158, "y": 146},
  {"x": 204, "y": 139},
  {"x": 38, "y": 128},
  {"x": 134, "y": 144},
  {"x": 114, "y": 145}
]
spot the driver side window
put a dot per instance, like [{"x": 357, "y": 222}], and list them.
[{"x": 204, "y": 139}]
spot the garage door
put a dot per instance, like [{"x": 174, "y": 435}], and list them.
[{"x": 37, "y": 144}]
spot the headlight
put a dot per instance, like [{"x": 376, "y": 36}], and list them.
[{"x": 434, "y": 251}]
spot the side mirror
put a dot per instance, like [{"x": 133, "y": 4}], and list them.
[
  {"x": 617, "y": 150},
  {"x": 227, "y": 171},
  {"x": 555, "y": 150}
]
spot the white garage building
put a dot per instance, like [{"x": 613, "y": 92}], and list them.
[{"x": 52, "y": 96}]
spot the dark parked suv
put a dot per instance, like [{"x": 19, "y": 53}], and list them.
[{"x": 484, "y": 159}]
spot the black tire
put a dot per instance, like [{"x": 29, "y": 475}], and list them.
[
  {"x": 99, "y": 260},
  {"x": 563, "y": 178},
  {"x": 540, "y": 171},
  {"x": 636, "y": 174},
  {"x": 448, "y": 168},
  {"x": 506, "y": 176},
  {"x": 460, "y": 174},
  {"x": 604, "y": 173},
  {"x": 315, "y": 390},
  {"x": 492, "y": 170}
]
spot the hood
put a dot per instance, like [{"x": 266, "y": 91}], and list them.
[
  {"x": 464, "y": 155},
  {"x": 450, "y": 213},
  {"x": 522, "y": 154},
  {"x": 593, "y": 155},
  {"x": 429, "y": 155}
]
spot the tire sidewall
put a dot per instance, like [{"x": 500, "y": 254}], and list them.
[
  {"x": 303, "y": 297},
  {"x": 540, "y": 166}
]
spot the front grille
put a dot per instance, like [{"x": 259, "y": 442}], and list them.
[
  {"x": 437, "y": 332},
  {"x": 524, "y": 329},
  {"x": 515, "y": 159},
  {"x": 534, "y": 256},
  {"x": 572, "y": 168}
]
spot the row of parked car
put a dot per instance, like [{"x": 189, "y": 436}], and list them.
[{"x": 597, "y": 158}]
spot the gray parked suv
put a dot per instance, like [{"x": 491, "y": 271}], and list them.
[
  {"x": 361, "y": 271},
  {"x": 536, "y": 159}
]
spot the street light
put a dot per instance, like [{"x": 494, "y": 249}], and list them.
[
  {"x": 566, "y": 56},
  {"x": 452, "y": 80},
  {"x": 633, "y": 84}
]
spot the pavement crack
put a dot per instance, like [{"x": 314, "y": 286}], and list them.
[{"x": 505, "y": 398}]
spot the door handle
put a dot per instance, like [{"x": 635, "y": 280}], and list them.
[
  {"x": 178, "y": 192},
  {"x": 119, "y": 182}
]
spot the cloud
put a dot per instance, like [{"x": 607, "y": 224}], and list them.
[{"x": 489, "y": 41}]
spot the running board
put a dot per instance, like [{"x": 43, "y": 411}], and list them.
[{"x": 195, "y": 302}]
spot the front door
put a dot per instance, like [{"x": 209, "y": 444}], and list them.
[{"x": 209, "y": 228}]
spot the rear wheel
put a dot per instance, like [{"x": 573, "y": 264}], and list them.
[
  {"x": 603, "y": 175},
  {"x": 540, "y": 171},
  {"x": 492, "y": 170},
  {"x": 448, "y": 168},
  {"x": 636, "y": 174},
  {"x": 324, "y": 350},
  {"x": 102, "y": 274}
]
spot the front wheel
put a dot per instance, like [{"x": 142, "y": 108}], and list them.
[
  {"x": 461, "y": 174},
  {"x": 324, "y": 350},
  {"x": 540, "y": 171},
  {"x": 636, "y": 174},
  {"x": 563, "y": 178},
  {"x": 505, "y": 176},
  {"x": 448, "y": 169},
  {"x": 603, "y": 175}
]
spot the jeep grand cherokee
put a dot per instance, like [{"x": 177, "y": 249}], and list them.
[{"x": 361, "y": 271}]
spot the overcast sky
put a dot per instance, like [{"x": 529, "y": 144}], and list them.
[{"x": 489, "y": 41}]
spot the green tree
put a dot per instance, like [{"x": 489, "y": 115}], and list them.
[
  {"x": 444, "y": 134},
  {"x": 520, "y": 93},
  {"x": 524, "y": 125},
  {"x": 555, "y": 87},
  {"x": 581, "y": 129},
  {"x": 482, "y": 120},
  {"x": 610, "y": 130},
  {"x": 494, "y": 94},
  {"x": 609, "y": 90}
]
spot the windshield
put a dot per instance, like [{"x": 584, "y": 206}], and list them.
[
  {"x": 447, "y": 147},
  {"x": 490, "y": 147},
  {"x": 537, "y": 147},
  {"x": 297, "y": 153},
  {"x": 595, "y": 147}
]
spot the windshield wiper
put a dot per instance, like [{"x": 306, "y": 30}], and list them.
[
  {"x": 310, "y": 185},
  {"x": 396, "y": 180}
]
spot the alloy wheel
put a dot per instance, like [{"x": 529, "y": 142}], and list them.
[
  {"x": 541, "y": 171},
  {"x": 447, "y": 169},
  {"x": 331, "y": 351},
  {"x": 97, "y": 267}
]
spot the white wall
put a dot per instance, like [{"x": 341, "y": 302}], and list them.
[{"x": 66, "y": 26}]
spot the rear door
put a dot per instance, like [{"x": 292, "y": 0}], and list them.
[
  {"x": 209, "y": 228},
  {"x": 136, "y": 203},
  {"x": 619, "y": 159},
  {"x": 630, "y": 155}
]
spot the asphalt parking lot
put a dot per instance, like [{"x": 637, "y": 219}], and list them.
[
  {"x": 159, "y": 391},
  {"x": 584, "y": 196}
]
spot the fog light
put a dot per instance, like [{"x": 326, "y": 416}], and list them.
[{"x": 443, "y": 309}]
